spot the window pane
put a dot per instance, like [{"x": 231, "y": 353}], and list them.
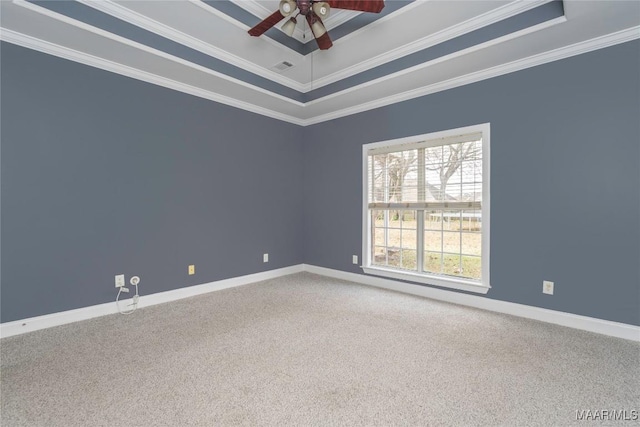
[
  {"x": 378, "y": 237},
  {"x": 409, "y": 259},
  {"x": 394, "y": 176},
  {"x": 380, "y": 255},
  {"x": 433, "y": 220},
  {"x": 434, "y": 165},
  {"x": 477, "y": 171},
  {"x": 451, "y": 241},
  {"x": 393, "y": 255},
  {"x": 394, "y": 238},
  {"x": 452, "y": 238},
  {"x": 446, "y": 152},
  {"x": 453, "y": 192},
  {"x": 378, "y": 218},
  {"x": 432, "y": 262},
  {"x": 451, "y": 186},
  {"x": 377, "y": 174},
  {"x": 472, "y": 192},
  {"x": 395, "y": 219},
  {"x": 468, "y": 171},
  {"x": 463, "y": 266},
  {"x": 403, "y": 219},
  {"x": 472, "y": 243},
  {"x": 433, "y": 241},
  {"x": 433, "y": 191},
  {"x": 452, "y": 265},
  {"x": 472, "y": 220},
  {"x": 409, "y": 239},
  {"x": 451, "y": 220}
]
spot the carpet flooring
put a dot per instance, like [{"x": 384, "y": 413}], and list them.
[{"x": 310, "y": 350}]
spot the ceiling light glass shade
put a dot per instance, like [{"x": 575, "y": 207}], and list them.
[
  {"x": 287, "y": 7},
  {"x": 318, "y": 29},
  {"x": 289, "y": 27},
  {"x": 321, "y": 9}
]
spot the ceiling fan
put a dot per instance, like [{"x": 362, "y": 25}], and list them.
[{"x": 314, "y": 11}]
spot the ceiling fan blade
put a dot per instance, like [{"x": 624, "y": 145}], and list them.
[
  {"x": 374, "y": 6},
  {"x": 266, "y": 23},
  {"x": 324, "y": 41}
]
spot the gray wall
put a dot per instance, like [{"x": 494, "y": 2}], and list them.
[
  {"x": 102, "y": 174},
  {"x": 565, "y": 179}
]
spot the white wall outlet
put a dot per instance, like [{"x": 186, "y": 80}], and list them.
[
  {"x": 354, "y": 259},
  {"x": 191, "y": 270},
  {"x": 119, "y": 280},
  {"x": 547, "y": 287},
  {"x": 265, "y": 258},
  {"x": 134, "y": 280}
]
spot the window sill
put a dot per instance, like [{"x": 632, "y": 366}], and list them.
[{"x": 460, "y": 284}]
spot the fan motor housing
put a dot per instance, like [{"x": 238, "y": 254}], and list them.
[{"x": 304, "y": 6}]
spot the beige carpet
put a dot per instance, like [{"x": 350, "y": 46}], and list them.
[{"x": 309, "y": 350}]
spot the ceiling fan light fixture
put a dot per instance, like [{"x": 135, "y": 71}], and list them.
[
  {"x": 313, "y": 11},
  {"x": 321, "y": 9},
  {"x": 287, "y": 7},
  {"x": 289, "y": 27},
  {"x": 318, "y": 29}
]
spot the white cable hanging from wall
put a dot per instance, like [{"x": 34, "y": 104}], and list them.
[{"x": 135, "y": 280}]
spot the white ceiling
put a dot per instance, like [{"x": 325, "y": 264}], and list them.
[{"x": 371, "y": 66}]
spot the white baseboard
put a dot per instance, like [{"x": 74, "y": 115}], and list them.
[
  {"x": 17, "y": 327},
  {"x": 605, "y": 327}
]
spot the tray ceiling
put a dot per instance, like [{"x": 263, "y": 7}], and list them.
[{"x": 410, "y": 49}]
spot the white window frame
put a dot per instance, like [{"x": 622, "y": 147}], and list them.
[{"x": 482, "y": 286}]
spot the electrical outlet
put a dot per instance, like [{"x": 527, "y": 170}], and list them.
[
  {"x": 547, "y": 287},
  {"x": 192, "y": 270},
  {"x": 134, "y": 280},
  {"x": 265, "y": 258},
  {"x": 354, "y": 259},
  {"x": 119, "y": 280}
]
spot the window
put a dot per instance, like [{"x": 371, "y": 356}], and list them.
[{"x": 426, "y": 208}]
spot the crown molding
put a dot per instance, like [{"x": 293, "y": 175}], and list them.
[
  {"x": 576, "y": 321},
  {"x": 444, "y": 58},
  {"x": 601, "y": 42},
  {"x": 253, "y": 7},
  {"x": 480, "y": 21},
  {"x": 100, "y": 32},
  {"x": 123, "y": 13},
  {"x": 29, "y": 42},
  {"x": 134, "y": 18},
  {"x": 488, "y": 18}
]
